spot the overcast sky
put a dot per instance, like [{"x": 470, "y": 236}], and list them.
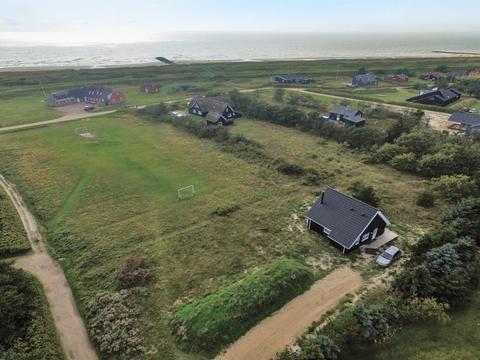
[{"x": 137, "y": 20}]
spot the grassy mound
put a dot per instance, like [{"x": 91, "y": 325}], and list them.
[
  {"x": 223, "y": 316},
  {"x": 13, "y": 239}
]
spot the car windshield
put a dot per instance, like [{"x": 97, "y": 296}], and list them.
[{"x": 387, "y": 256}]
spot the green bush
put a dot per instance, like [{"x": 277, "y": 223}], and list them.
[
  {"x": 112, "y": 322},
  {"x": 426, "y": 199},
  {"x": 217, "y": 319},
  {"x": 456, "y": 187},
  {"x": 365, "y": 193},
  {"x": 226, "y": 211},
  {"x": 318, "y": 347},
  {"x": 405, "y": 162},
  {"x": 465, "y": 218}
]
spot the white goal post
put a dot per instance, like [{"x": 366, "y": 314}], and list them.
[{"x": 186, "y": 193}]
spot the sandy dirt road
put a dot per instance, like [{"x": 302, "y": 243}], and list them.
[
  {"x": 273, "y": 334},
  {"x": 68, "y": 322},
  {"x": 64, "y": 118}
]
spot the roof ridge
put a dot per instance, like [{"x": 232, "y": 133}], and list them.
[{"x": 351, "y": 197}]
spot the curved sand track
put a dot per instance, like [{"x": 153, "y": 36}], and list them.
[
  {"x": 68, "y": 322},
  {"x": 273, "y": 334}
]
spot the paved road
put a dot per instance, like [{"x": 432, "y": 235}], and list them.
[
  {"x": 70, "y": 328},
  {"x": 273, "y": 334}
]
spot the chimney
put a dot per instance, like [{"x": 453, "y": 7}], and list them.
[{"x": 322, "y": 197}]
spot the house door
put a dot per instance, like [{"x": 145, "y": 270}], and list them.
[{"x": 374, "y": 234}]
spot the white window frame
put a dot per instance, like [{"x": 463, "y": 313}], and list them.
[
  {"x": 327, "y": 231},
  {"x": 365, "y": 237}
]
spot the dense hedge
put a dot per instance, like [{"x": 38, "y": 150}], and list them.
[
  {"x": 223, "y": 316},
  {"x": 13, "y": 239}
]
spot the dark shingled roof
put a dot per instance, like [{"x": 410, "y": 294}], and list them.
[
  {"x": 212, "y": 104},
  {"x": 345, "y": 216},
  {"x": 465, "y": 118},
  {"x": 444, "y": 95},
  {"x": 84, "y": 91},
  {"x": 351, "y": 114}
]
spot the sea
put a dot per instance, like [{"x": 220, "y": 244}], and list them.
[{"x": 204, "y": 47}]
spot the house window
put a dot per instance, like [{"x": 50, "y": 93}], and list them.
[
  {"x": 365, "y": 237},
  {"x": 327, "y": 231}
]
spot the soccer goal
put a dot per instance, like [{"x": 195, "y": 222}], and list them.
[
  {"x": 83, "y": 132},
  {"x": 186, "y": 192}
]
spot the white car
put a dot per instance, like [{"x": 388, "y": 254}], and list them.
[
  {"x": 176, "y": 113},
  {"x": 387, "y": 257}
]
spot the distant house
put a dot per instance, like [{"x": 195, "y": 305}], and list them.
[
  {"x": 86, "y": 94},
  {"x": 347, "y": 115},
  {"x": 149, "y": 89},
  {"x": 431, "y": 76},
  {"x": 467, "y": 122},
  {"x": 216, "y": 110},
  {"x": 456, "y": 75},
  {"x": 364, "y": 80},
  {"x": 288, "y": 79},
  {"x": 438, "y": 97},
  {"x": 474, "y": 73},
  {"x": 398, "y": 78},
  {"x": 345, "y": 221}
]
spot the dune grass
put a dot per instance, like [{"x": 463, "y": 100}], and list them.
[{"x": 13, "y": 239}]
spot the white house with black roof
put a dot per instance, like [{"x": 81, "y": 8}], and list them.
[
  {"x": 347, "y": 115},
  {"x": 345, "y": 221},
  {"x": 216, "y": 110}
]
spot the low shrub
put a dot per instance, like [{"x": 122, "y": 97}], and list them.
[
  {"x": 223, "y": 316},
  {"x": 426, "y": 199},
  {"x": 365, "y": 193},
  {"x": 226, "y": 211},
  {"x": 112, "y": 322},
  {"x": 133, "y": 273}
]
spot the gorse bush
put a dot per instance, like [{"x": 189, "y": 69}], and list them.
[
  {"x": 112, "y": 322},
  {"x": 223, "y": 316}
]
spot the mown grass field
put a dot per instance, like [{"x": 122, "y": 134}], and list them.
[
  {"x": 13, "y": 239},
  {"x": 456, "y": 340},
  {"x": 24, "y": 109}
]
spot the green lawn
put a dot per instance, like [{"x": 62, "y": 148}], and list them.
[
  {"x": 24, "y": 109},
  {"x": 456, "y": 340},
  {"x": 13, "y": 239}
]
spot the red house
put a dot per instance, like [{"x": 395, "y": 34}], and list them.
[
  {"x": 149, "y": 89},
  {"x": 398, "y": 78}
]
